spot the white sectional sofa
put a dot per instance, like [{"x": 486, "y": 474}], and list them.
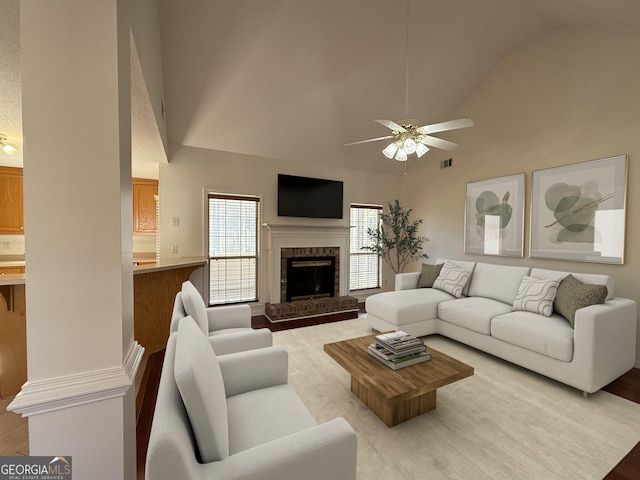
[
  {"x": 236, "y": 417},
  {"x": 497, "y": 312}
]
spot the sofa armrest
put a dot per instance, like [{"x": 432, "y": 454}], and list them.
[
  {"x": 229, "y": 316},
  {"x": 407, "y": 281},
  {"x": 233, "y": 342},
  {"x": 604, "y": 342},
  {"x": 246, "y": 371},
  {"x": 318, "y": 453}
]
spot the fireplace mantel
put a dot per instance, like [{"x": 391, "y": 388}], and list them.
[{"x": 281, "y": 236}]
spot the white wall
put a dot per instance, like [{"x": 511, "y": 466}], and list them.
[
  {"x": 193, "y": 171},
  {"x": 568, "y": 96}
]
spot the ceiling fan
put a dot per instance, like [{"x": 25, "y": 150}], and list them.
[{"x": 409, "y": 137}]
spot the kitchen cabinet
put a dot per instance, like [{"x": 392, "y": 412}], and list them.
[
  {"x": 11, "y": 201},
  {"x": 11, "y": 269},
  {"x": 144, "y": 206}
]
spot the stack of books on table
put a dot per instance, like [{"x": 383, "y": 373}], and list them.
[{"x": 399, "y": 349}]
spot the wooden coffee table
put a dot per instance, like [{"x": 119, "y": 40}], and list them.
[{"x": 395, "y": 396}]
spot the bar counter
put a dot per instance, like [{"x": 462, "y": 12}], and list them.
[{"x": 154, "y": 288}]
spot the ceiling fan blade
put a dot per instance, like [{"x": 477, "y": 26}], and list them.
[
  {"x": 392, "y": 125},
  {"x": 370, "y": 140},
  {"x": 438, "y": 142},
  {"x": 444, "y": 126}
]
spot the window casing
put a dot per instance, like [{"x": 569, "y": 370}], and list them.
[
  {"x": 365, "y": 267},
  {"x": 233, "y": 227}
]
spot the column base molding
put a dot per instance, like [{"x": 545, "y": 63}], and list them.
[{"x": 51, "y": 394}]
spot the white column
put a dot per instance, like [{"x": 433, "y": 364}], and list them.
[{"x": 82, "y": 357}]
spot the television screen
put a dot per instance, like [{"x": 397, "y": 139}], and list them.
[{"x": 309, "y": 197}]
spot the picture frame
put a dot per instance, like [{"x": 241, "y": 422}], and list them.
[
  {"x": 578, "y": 211},
  {"x": 494, "y": 216}
]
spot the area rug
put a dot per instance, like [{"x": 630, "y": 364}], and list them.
[{"x": 504, "y": 422}]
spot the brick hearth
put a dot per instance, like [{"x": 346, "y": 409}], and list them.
[{"x": 311, "y": 308}]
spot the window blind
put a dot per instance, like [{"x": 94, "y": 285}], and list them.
[
  {"x": 365, "y": 267},
  {"x": 233, "y": 248}
]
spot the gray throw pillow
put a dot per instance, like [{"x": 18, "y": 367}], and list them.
[
  {"x": 429, "y": 274},
  {"x": 574, "y": 294}
]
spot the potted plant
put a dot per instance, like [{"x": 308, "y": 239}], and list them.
[{"x": 396, "y": 239}]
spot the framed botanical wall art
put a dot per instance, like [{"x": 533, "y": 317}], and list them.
[
  {"x": 494, "y": 216},
  {"x": 578, "y": 211}
]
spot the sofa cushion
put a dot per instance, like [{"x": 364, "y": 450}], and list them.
[
  {"x": 474, "y": 313},
  {"x": 499, "y": 282},
  {"x": 574, "y": 294},
  {"x": 428, "y": 275},
  {"x": 452, "y": 279},
  {"x": 536, "y": 295},
  {"x": 406, "y": 306},
  {"x": 591, "y": 278},
  {"x": 550, "y": 336},
  {"x": 194, "y": 306},
  {"x": 263, "y": 415},
  {"x": 199, "y": 379}
]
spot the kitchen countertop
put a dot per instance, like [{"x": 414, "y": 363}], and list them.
[
  {"x": 170, "y": 264},
  {"x": 12, "y": 279}
]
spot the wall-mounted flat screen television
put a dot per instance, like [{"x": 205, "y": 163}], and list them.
[{"x": 309, "y": 197}]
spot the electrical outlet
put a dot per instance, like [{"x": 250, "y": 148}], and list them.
[
  {"x": 6, "y": 245},
  {"x": 175, "y": 221},
  {"x": 174, "y": 248}
]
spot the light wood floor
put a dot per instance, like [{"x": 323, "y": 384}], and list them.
[{"x": 14, "y": 432}]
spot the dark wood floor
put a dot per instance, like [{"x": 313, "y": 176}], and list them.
[{"x": 627, "y": 386}]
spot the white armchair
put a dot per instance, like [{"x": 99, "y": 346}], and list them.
[
  {"x": 228, "y": 327},
  {"x": 236, "y": 417}
]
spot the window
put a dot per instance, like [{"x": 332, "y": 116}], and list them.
[
  {"x": 233, "y": 248},
  {"x": 364, "y": 266}
]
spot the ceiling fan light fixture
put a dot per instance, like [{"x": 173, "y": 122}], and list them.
[
  {"x": 421, "y": 149},
  {"x": 401, "y": 156},
  {"x": 390, "y": 150},
  {"x": 410, "y": 146}
]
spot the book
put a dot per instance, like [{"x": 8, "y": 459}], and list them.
[
  {"x": 390, "y": 355},
  {"x": 403, "y": 361},
  {"x": 400, "y": 342}
]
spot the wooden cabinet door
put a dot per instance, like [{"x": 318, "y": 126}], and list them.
[
  {"x": 11, "y": 270},
  {"x": 144, "y": 206},
  {"x": 11, "y": 201}
]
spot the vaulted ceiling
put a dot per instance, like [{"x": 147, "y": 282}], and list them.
[{"x": 297, "y": 79}]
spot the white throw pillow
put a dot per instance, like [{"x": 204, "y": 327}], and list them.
[
  {"x": 199, "y": 379},
  {"x": 536, "y": 295},
  {"x": 452, "y": 279},
  {"x": 194, "y": 306}
]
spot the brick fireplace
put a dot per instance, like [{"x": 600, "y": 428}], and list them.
[
  {"x": 292, "y": 242},
  {"x": 309, "y": 254}
]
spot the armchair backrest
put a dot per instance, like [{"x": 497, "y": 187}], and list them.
[
  {"x": 178, "y": 313},
  {"x": 201, "y": 386},
  {"x": 194, "y": 306},
  {"x": 172, "y": 450}
]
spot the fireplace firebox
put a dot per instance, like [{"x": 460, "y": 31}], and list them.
[{"x": 310, "y": 277}]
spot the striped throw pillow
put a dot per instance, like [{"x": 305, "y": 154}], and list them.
[
  {"x": 452, "y": 279},
  {"x": 536, "y": 295}
]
